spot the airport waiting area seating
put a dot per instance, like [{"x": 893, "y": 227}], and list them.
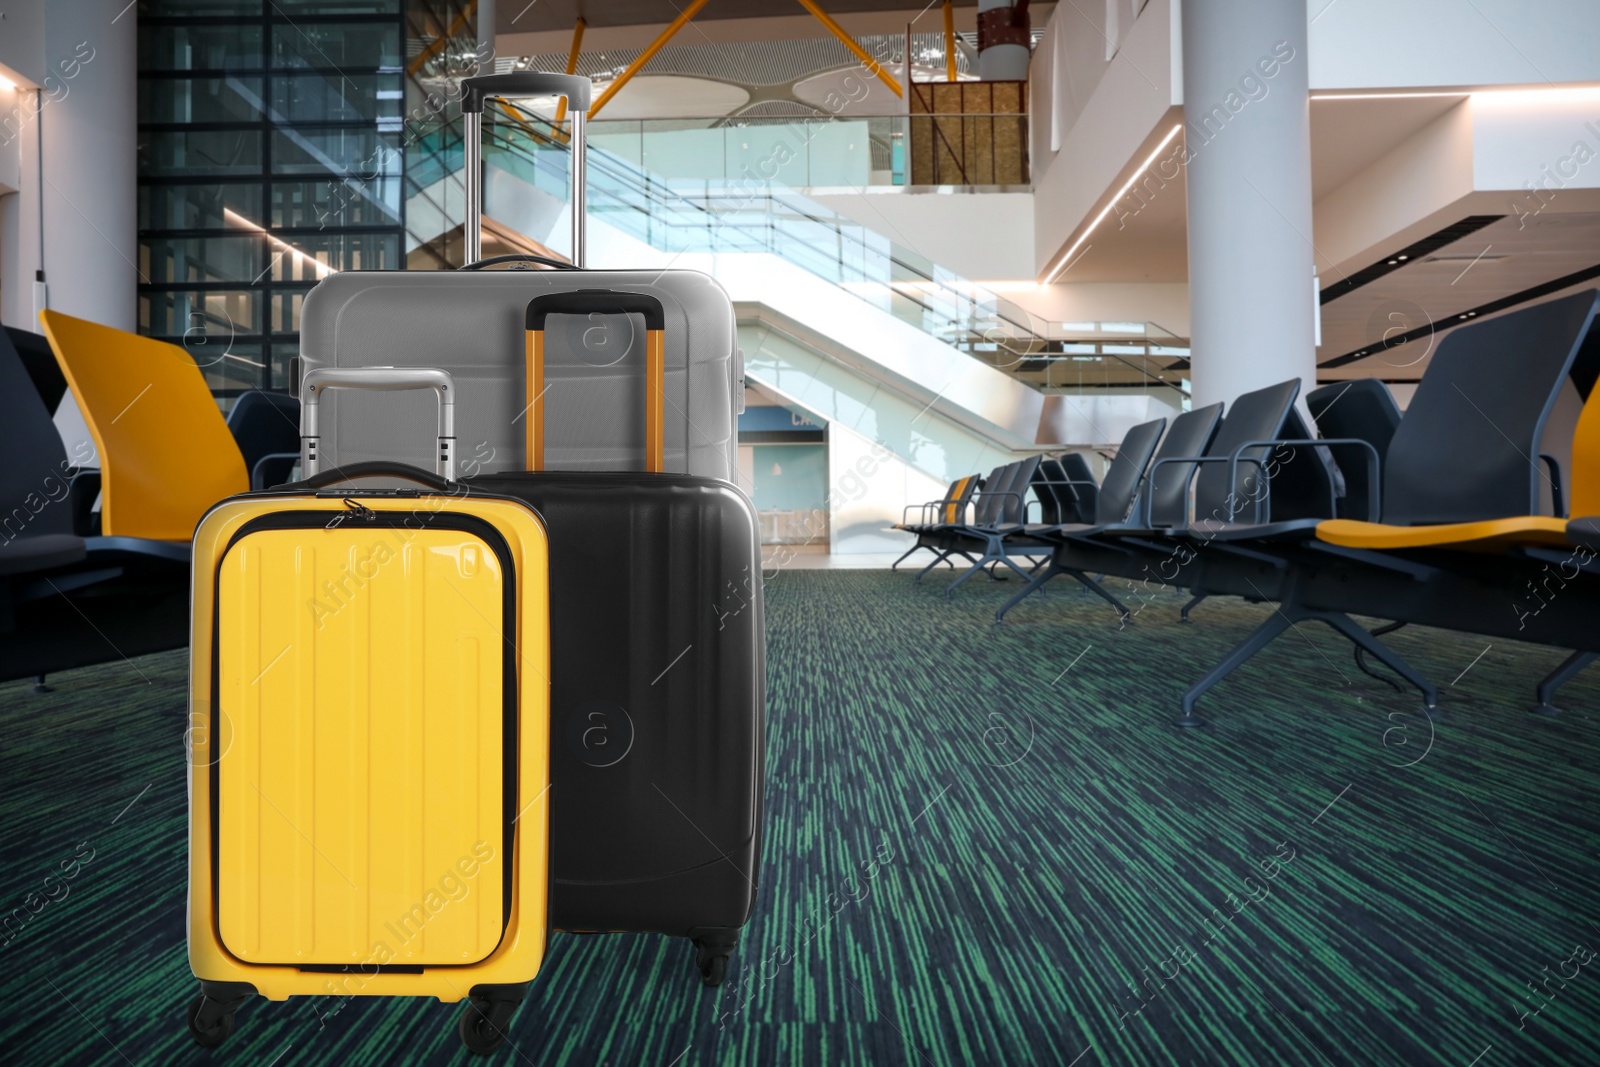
[
  {"x": 1452, "y": 515},
  {"x": 80, "y": 585},
  {"x": 69, "y": 598},
  {"x": 947, "y": 509},
  {"x": 165, "y": 451},
  {"x": 990, "y": 528},
  {"x": 266, "y": 428},
  {"x": 1098, "y": 507}
]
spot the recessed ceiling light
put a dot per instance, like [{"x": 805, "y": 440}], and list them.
[{"x": 1400, "y": 257}]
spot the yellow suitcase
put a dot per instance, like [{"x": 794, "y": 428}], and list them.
[{"x": 369, "y": 729}]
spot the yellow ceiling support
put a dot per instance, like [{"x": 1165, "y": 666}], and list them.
[
  {"x": 166, "y": 454},
  {"x": 849, "y": 42},
  {"x": 949, "y": 41},
  {"x": 441, "y": 42},
  {"x": 649, "y": 53},
  {"x": 572, "y": 65}
]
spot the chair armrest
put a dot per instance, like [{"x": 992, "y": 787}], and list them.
[
  {"x": 1373, "y": 467},
  {"x": 1069, "y": 483},
  {"x": 1150, "y": 480},
  {"x": 273, "y": 469},
  {"x": 1013, "y": 496},
  {"x": 1557, "y": 504},
  {"x": 936, "y": 505},
  {"x": 83, "y": 488}
]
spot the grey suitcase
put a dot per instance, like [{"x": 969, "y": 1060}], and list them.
[{"x": 471, "y": 323}]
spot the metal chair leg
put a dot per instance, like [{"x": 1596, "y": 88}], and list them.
[
  {"x": 1037, "y": 583},
  {"x": 1009, "y": 562},
  {"x": 1361, "y": 656},
  {"x": 1559, "y": 677},
  {"x": 910, "y": 551},
  {"x": 1385, "y": 655},
  {"x": 1263, "y": 636},
  {"x": 1183, "y": 614},
  {"x": 1099, "y": 590},
  {"x": 938, "y": 559},
  {"x": 950, "y": 590}
]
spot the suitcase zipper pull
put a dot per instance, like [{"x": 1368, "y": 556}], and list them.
[
  {"x": 361, "y": 510},
  {"x": 355, "y": 507}
]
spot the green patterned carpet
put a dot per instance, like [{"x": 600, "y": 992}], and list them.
[{"x": 984, "y": 846}]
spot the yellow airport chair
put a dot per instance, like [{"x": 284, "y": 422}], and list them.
[
  {"x": 1458, "y": 455},
  {"x": 165, "y": 451},
  {"x": 1492, "y": 534}
]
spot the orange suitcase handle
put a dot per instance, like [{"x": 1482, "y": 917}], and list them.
[{"x": 602, "y": 302}]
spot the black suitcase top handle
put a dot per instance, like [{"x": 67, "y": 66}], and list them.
[
  {"x": 373, "y": 469},
  {"x": 526, "y": 83},
  {"x": 591, "y": 301},
  {"x": 521, "y": 257}
]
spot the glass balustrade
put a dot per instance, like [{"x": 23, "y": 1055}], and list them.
[{"x": 689, "y": 186}]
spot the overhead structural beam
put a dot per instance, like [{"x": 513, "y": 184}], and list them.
[
  {"x": 949, "y": 41},
  {"x": 849, "y": 42},
  {"x": 649, "y": 53},
  {"x": 572, "y": 64},
  {"x": 438, "y": 44}
]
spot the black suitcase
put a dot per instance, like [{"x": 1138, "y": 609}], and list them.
[
  {"x": 657, "y": 703},
  {"x": 658, "y": 683}
]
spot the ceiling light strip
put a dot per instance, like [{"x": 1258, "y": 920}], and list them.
[
  {"x": 1061, "y": 261},
  {"x": 300, "y": 256},
  {"x": 1460, "y": 93}
]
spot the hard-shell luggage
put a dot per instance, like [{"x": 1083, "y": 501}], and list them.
[
  {"x": 369, "y": 737},
  {"x": 658, "y": 697},
  {"x": 470, "y": 323},
  {"x": 657, "y": 703}
]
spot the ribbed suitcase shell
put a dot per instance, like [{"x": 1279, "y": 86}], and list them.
[
  {"x": 358, "y": 677},
  {"x": 470, "y": 323},
  {"x": 658, "y": 700}
]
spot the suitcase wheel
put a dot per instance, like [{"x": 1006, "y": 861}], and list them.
[
  {"x": 484, "y": 1024},
  {"x": 210, "y": 1021},
  {"x": 714, "y": 970},
  {"x": 711, "y": 952}
]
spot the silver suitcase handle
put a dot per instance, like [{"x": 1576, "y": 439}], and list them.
[
  {"x": 576, "y": 89},
  {"x": 315, "y": 382}
]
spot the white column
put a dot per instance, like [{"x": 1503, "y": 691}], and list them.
[
  {"x": 19, "y": 207},
  {"x": 1251, "y": 262},
  {"x": 90, "y": 190}
]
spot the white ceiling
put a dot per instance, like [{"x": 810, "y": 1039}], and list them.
[
  {"x": 1503, "y": 258},
  {"x": 1347, "y": 136},
  {"x": 672, "y": 96}
]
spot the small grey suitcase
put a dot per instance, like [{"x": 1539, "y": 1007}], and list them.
[{"x": 471, "y": 323}]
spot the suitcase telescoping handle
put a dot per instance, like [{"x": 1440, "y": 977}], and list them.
[
  {"x": 522, "y": 83},
  {"x": 315, "y": 382},
  {"x": 601, "y": 302}
]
